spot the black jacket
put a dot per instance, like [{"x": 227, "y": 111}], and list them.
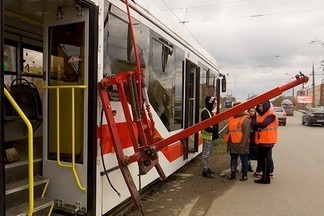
[
  {"x": 209, "y": 101},
  {"x": 268, "y": 120}
]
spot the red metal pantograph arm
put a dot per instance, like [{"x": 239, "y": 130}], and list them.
[
  {"x": 112, "y": 130},
  {"x": 139, "y": 72},
  {"x": 141, "y": 153}
]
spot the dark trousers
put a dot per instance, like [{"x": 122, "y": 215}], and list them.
[
  {"x": 260, "y": 163},
  {"x": 244, "y": 160},
  {"x": 264, "y": 158}
]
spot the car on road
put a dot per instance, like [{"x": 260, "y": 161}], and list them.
[
  {"x": 313, "y": 116},
  {"x": 288, "y": 106},
  {"x": 281, "y": 114}
]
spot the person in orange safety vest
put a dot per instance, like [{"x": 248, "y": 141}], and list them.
[
  {"x": 237, "y": 139},
  {"x": 266, "y": 127}
]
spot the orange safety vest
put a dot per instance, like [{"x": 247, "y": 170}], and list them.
[
  {"x": 269, "y": 134},
  {"x": 235, "y": 129}
]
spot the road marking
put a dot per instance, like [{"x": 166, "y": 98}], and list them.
[
  {"x": 187, "y": 209},
  {"x": 182, "y": 174}
]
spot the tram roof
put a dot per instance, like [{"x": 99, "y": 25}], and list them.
[{"x": 30, "y": 12}]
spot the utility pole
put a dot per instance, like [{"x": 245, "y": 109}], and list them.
[
  {"x": 313, "y": 75},
  {"x": 293, "y": 90}
]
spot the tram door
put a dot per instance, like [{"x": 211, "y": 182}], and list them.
[
  {"x": 191, "y": 104},
  {"x": 65, "y": 134}
]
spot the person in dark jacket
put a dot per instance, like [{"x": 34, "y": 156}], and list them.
[
  {"x": 209, "y": 135},
  {"x": 253, "y": 149},
  {"x": 266, "y": 127}
]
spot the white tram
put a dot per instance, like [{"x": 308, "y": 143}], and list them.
[{"x": 54, "y": 54}]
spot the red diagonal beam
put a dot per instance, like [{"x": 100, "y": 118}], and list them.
[{"x": 141, "y": 155}]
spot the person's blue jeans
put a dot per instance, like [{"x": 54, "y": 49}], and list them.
[{"x": 244, "y": 159}]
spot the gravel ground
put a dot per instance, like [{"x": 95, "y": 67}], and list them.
[{"x": 186, "y": 192}]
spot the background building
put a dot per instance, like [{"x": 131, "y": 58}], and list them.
[{"x": 319, "y": 94}]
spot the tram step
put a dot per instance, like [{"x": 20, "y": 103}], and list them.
[
  {"x": 19, "y": 170},
  {"x": 41, "y": 206},
  {"x": 17, "y": 130},
  {"x": 17, "y": 192},
  {"x": 23, "y": 184}
]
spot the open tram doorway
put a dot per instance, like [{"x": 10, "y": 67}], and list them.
[
  {"x": 70, "y": 53},
  {"x": 46, "y": 47},
  {"x": 191, "y": 111}
]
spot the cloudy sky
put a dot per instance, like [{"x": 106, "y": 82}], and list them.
[{"x": 260, "y": 44}]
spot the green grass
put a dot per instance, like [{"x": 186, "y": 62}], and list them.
[{"x": 220, "y": 146}]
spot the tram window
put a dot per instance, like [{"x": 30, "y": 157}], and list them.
[
  {"x": 203, "y": 89},
  {"x": 66, "y": 66},
  {"x": 142, "y": 34},
  {"x": 224, "y": 83},
  {"x": 33, "y": 62},
  {"x": 10, "y": 58},
  {"x": 156, "y": 56},
  {"x": 301, "y": 92},
  {"x": 119, "y": 45},
  {"x": 212, "y": 84},
  {"x": 9, "y": 63},
  {"x": 67, "y": 53},
  {"x": 178, "y": 89},
  {"x": 161, "y": 53},
  {"x": 162, "y": 78},
  {"x": 119, "y": 50},
  {"x": 33, "y": 68}
]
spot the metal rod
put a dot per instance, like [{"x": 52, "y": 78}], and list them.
[
  {"x": 2, "y": 160},
  {"x": 313, "y": 79},
  {"x": 220, "y": 117}
]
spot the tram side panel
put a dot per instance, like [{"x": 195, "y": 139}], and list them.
[
  {"x": 170, "y": 159},
  {"x": 164, "y": 80},
  {"x": 162, "y": 56}
]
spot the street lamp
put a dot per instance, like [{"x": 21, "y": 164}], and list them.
[
  {"x": 293, "y": 90},
  {"x": 317, "y": 41},
  {"x": 313, "y": 73}
]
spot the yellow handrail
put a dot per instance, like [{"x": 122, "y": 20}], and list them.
[
  {"x": 30, "y": 151},
  {"x": 72, "y": 166}
]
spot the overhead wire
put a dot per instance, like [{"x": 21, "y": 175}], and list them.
[
  {"x": 235, "y": 17},
  {"x": 211, "y": 5},
  {"x": 245, "y": 16},
  {"x": 259, "y": 81},
  {"x": 259, "y": 15},
  {"x": 171, "y": 10},
  {"x": 181, "y": 21}
]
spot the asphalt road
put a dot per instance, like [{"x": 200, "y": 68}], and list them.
[{"x": 297, "y": 188}]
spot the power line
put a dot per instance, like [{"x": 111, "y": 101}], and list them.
[
  {"x": 259, "y": 81},
  {"x": 211, "y": 5},
  {"x": 180, "y": 21},
  {"x": 171, "y": 10},
  {"x": 261, "y": 15}
]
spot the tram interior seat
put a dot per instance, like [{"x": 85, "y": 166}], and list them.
[{"x": 27, "y": 97}]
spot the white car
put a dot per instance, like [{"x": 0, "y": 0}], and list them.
[{"x": 281, "y": 114}]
